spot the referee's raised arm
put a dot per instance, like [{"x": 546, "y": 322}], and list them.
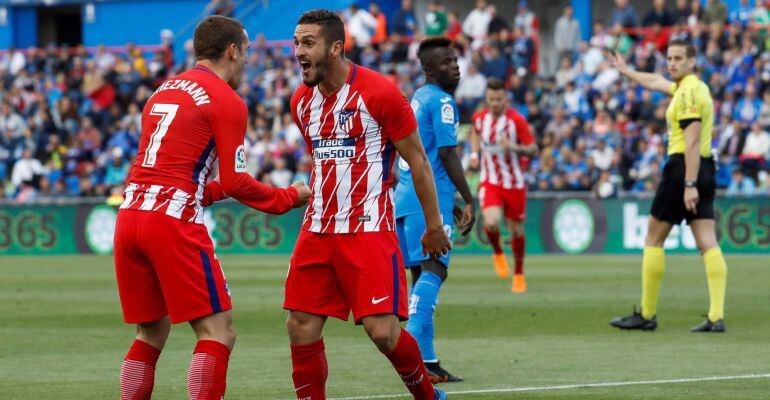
[{"x": 648, "y": 80}]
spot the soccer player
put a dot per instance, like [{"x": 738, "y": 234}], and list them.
[
  {"x": 354, "y": 121},
  {"x": 165, "y": 264},
  {"x": 686, "y": 190},
  {"x": 437, "y": 122},
  {"x": 505, "y": 140}
]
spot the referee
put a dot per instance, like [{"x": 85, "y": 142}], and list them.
[{"x": 686, "y": 190}]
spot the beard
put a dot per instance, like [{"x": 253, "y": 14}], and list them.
[{"x": 318, "y": 70}]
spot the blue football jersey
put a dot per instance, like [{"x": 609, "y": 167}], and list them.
[{"x": 438, "y": 121}]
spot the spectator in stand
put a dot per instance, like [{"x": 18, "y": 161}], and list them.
[
  {"x": 103, "y": 59},
  {"x": 741, "y": 184},
  {"x": 715, "y": 12},
  {"x": 619, "y": 41},
  {"x": 404, "y": 22},
  {"x": 742, "y": 14},
  {"x": 525, "y": 19},
  {"x": 658, "y": 14},
  {"x": 11, "y": 121},
  {"x": 623, "y": 14},
  {"x": 280, "y": 176},
  {"x": 13, "y": 61},
  {"x": 681, "y": 12},
  {"x": 602, "y": 155},
  {"x": 496, "y": 65},
  {"x": 497, "y": 23},
  {"x": 435, "y": 19},
  {"x": 26, "y": 168},
  {"x": 696, "y": 13},
  {"x": 567, "y": 34},
  {"x": 567, "y": 72},
  {"x": 756, "y": 150},
  {"x": 469, "y": 92},
  {"x": 360, "y": 25},
  {"x": 476, "y": 23},
  {"x": 523, "y": 51},
  {"x": 381, "y": 29},
  {"x": 454, "y": 27},
  {"x": 748, "y": 108},
  {"x": 764, "y": 111}
]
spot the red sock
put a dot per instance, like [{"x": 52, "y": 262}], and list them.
[
  {"x": 207, "y": 377},
  {"x": 407, "y": 360},
  {"x": 310, "y": 370},
  {"x": 494, "y": 240},
  {"x": 518, "y": 254},
  {"x": 137, "y": 375}
]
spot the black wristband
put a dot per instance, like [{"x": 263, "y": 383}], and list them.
[{"x": 690, "y": 184}]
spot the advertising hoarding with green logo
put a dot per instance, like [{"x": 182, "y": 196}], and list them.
[{"x": 567, "y": 226}]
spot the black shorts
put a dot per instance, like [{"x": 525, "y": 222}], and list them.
[{"x": 668, "y": 204}]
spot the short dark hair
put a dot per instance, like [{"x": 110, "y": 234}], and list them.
[
  {"x": 331, "y": 24},
  {"x": 495, "y": 84},
  {"x": 426, "y": 46},
  {"x": 688, "y": 47},
  {"x": 214, "y": 34}
]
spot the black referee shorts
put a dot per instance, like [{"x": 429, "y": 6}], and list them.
[{"x": 668, "y": 204}]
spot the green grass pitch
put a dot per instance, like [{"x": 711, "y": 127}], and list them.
[{"x": 62, "y": 336}]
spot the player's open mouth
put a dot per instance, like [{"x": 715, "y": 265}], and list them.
[{"x": 306, "y": 65}]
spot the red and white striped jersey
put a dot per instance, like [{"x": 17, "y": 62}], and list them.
[
  {"x": 191, "y": 120},
  {"x": 498, "y": 166},
  {"x": 350, "y": 136}
]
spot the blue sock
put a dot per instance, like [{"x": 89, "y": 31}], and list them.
[{"x": 422, "y": 303}]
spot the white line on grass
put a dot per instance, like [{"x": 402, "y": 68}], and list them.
[{"x": 573, "y": 386}]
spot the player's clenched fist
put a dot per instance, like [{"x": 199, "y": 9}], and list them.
[
  {"x": 303, "y": 191},
  {"x": 435, "y": 242}
]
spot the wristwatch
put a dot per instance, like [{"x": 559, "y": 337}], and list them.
[{"x": 690, "y": 184}]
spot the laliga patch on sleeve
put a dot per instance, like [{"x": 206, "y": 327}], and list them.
[
  {"x": 447, "y": 114},
  {"x": 240, "y": 159}
]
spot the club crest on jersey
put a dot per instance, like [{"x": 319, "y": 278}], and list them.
[
  {"x": 346, "y": 120},
  {"x": 240, "y": 159}
]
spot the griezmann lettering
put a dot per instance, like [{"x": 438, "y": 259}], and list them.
[{"x": 198, "y": 93}]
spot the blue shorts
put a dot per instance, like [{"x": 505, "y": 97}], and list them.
[{"x": 410, "y": 229}]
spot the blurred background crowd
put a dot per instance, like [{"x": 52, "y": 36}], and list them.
[{"x": 70, "y": 118}]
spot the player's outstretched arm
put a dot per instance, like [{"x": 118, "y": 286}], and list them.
[
  {"x": 435, "y": 241},
  {"x": 647, "y": 80},
  {"x": 454, "y": 168},
  {"x": 229, "y": 127}
]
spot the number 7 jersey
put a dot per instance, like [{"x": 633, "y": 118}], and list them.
[{"x": 187, "y": 124}]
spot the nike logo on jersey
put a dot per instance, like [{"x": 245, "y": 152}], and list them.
[
  {"x": 446, "y": 100},
  {"x": 378, "y": 301}
]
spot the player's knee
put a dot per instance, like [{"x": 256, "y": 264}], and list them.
[
  {"x": 382, "y": 335},
  {"x": 302, "y": 330},
  {"x": 154, "y": 333},
  {"x": 491, "y": 224},
  {"x": 517, "y": 229},
  {"x": 437, "y": 268},
  {"x": 653, "y": 241},
  {"x": 706, "y": 245}
]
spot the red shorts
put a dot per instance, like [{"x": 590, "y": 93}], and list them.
[
  {"x": 513, "y": 201},
  {"x": 332, "y": 274},
  {"x": 166, "y": 266}
]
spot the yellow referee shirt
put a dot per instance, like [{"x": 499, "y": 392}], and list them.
[{"x": 691, "y": 100}]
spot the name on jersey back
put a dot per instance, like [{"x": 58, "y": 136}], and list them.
[{"x": 197, "y": 92}]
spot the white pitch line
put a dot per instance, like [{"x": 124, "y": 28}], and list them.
[{"x": 573, "y": 386}]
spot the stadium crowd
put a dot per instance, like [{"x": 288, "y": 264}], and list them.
[{"x": 70, "y": 118}]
